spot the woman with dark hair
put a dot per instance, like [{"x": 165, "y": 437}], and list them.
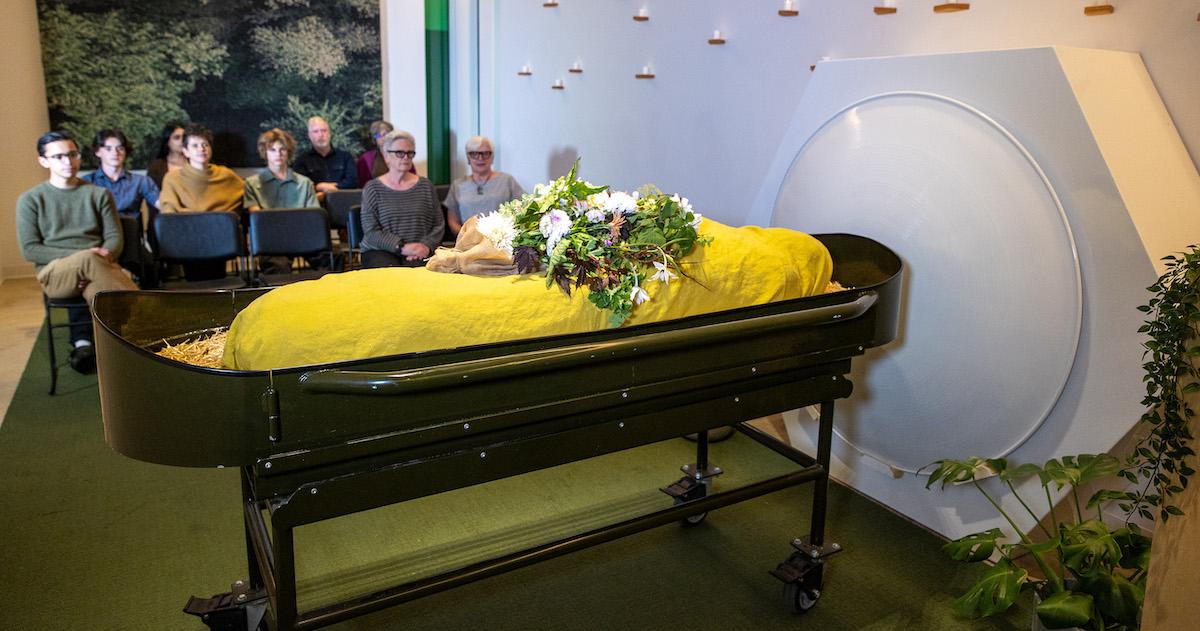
[
  {"x": 170, "y": 153},
  {"x": 371, "y": 164}
]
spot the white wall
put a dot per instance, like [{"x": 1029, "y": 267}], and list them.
[
  {"x": 709, "y": 124},
  {"x": 23, "y": 103},
  {"x": 402, "y": 37}
]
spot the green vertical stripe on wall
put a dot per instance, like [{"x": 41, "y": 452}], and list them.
[{"x": 437, "y": 87}]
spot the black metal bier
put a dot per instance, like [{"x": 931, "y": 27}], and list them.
[{"x": 319, "y": 442}]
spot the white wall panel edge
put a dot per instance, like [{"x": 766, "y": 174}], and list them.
[
  {"x": 1161, "y": 192},
  {"x": 402, "y": 36}
]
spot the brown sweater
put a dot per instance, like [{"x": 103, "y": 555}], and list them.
[{"x": 188, "y": 188}]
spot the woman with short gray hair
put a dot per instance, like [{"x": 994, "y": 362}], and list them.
[
  {"x": 480, "y": 191},
  {"x": 401, "y": 219}
]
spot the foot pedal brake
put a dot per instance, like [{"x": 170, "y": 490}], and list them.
[{"x": 241, "y": 609}]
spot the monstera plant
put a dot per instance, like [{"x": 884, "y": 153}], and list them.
[{"x": 1093, "y": 576}]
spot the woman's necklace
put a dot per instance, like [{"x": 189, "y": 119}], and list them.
[{"x": 478, "y": 184}]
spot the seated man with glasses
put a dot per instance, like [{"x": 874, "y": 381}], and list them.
[
  {"x": 70, "y": 230},
  {"x": 482, "y": 191}
]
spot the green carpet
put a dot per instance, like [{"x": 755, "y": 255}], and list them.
[{"x": 90, "y": 539}]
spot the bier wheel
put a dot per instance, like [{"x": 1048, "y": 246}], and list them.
[
  {"x": 801, "y": 598},
  {"x": 693, "y": 520}
]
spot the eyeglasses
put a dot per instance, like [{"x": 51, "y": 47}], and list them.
[
  {"x": 400, "y": 153},
  {"x": 70, "y": 155},
  {"x": 477, "y": 155}
]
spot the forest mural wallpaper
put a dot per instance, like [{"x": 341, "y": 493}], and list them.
[{"x": 238, "y": 66}]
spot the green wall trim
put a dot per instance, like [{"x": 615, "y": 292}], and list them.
[{"x": 437, "y": 88}]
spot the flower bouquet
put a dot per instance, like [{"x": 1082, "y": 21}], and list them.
[{"x": 585, "y": 236}]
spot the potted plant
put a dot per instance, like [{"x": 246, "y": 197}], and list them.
[{"x": 1095, "y": 575}]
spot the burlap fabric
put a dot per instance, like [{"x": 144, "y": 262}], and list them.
[{"x": 472, "y": 254}]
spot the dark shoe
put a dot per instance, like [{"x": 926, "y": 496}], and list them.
[{"x": 83, "y": 359}]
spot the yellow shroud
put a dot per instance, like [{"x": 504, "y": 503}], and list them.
[{"x": 377, "y": 312}]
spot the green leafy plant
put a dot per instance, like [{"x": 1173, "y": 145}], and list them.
[
  {"x": 1095, "y": 576},
  {"x": 585, "y": 236},
  {"x": 1159, "y": 464}
]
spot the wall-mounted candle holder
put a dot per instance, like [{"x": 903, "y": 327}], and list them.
[
  {"x": 550, "y": 4},
  {"x": 951, "y": 7},
  {"x": 576, "y": 68},
  {"x": 1098, "y": 9},
  {"x": 558, "y": 85},
  {"x": 646, "y": 73},
  {"x": 788, "y": 11},
  {"x": 887, "y": 7},
  {"x": 525, "y": 71},
  {"x": 717, "y": 39},
  {"x": 642, "y": 15}
]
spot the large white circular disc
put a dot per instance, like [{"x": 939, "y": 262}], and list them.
[{"x": 992, "y": 299}]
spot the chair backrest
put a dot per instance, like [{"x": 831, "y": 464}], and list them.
[
  {"x": 354, "y": 229},
  {"x": 442, "y": 190},
  {"x": 132, "y": 252},
  {"x": 198, "y": 236},
  {"x": 289, "y": 232},
  {"x": 339, "y": 202}
]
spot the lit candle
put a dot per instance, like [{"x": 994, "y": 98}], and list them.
[
  {"x": 889, "y": 3},
  {"x": 716, "y": 35},
  {"x": 577, "y": 66},
  {"x": 525, "y": 68},
  {"x": 642, "y": 12},
  {"x": 645, "y": 69},
  {"x": 787, "y": 5},
  {"x": 558, "y": 83}
]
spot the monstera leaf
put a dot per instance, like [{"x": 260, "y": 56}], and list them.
[
  {"x": 994, "y": 593},
  {"x": 1089, "y": 547},
  {"x": 1079, "y": 470},
  {"x": 1065, "y": 609},
  {"x": 963, "y": 471},
  {"x": 1117, "y": 598},
  {"x": 972, "y": 548}
]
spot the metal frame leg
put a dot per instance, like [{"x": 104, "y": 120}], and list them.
[
  {"x": 285, "y": 577},
  {"x": 255, "y": 575},
  {"x": 821, "y": 490},
  {"x": 50, "y": 343}
]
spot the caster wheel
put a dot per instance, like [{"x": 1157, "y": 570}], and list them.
[
  {"x": 801, "y": 598},
  {"x": 694, "y": 520}
]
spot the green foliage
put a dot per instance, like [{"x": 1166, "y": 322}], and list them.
[
  {"x": 137, "y": 86},
  {"x": 1161, "y": 462},
  {"x": 232, "y": 65},
  {"x": 609, "y": 243},
  {"x": 1094, "y": 576},
  {"x": 994, "y": 593}
]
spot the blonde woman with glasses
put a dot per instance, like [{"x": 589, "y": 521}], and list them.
[
  {"x": 401, "y": 218},
  {"x": 481, "y": 191}
]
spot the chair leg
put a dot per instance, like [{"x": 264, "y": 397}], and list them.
[{"x": 50, "y": 346}]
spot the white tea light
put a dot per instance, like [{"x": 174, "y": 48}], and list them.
[{"x": 716, "y": 35}]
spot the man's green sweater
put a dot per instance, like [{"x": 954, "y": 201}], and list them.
[{"x": 53, "y": 222}]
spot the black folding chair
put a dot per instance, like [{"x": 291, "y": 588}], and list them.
[
  {"x": 354, "y": 231},
  {"x": 57, "y": 303},
  {"x": 290, "y": 232},
  {"x": 135, "y": 256},
  {"x": 201, "y": 238},
  {"x": 339, "y": 203}
]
